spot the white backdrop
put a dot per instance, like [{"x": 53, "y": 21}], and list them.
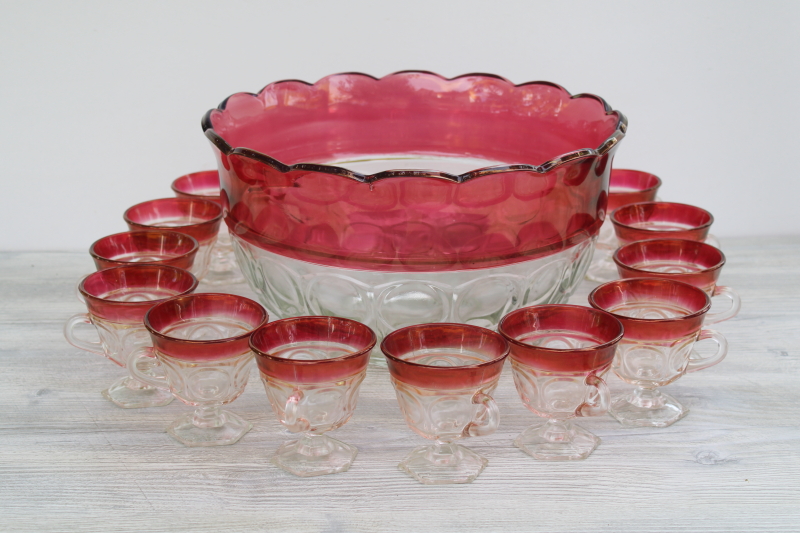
[{"x": 101, "y": 101}]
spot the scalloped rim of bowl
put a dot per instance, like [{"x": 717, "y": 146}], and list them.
[{"x": 605, "y": 146}]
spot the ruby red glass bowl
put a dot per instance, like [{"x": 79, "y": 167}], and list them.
[{"x": 414, "y": 171}]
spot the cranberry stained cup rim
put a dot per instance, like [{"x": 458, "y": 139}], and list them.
[
  {"x": 555, "y": 161},
  {"x": 210, "y": 295},
  {"x": 600, "y": 312},
  {"x": 618, "y": 210},
  {"x": 140, "y": 267},
  {"x": 478, "y": 329},
  {"x": 683, "y": 242},
  {"x": 144, "y": 276},
  {"x": 631, "y": 281},
  {"x": 262, "y": 329},
  {"x": 210, "y": 222},
  {"x": 152, "y": 232},
  {"x": 176, "y": 186},
  {"x": 646, "y": 189}
]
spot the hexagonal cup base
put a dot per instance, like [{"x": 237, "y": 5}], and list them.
[
  {"x": 223, "y": 277},
  {"x": 328, "y": 456},
  {"x": 230, "y": 431},
  {"x": 567, "y": 443},
  {"x": 663, "y": 414},
  {"x": 129, "y": 393},
  {"x": 602, "y": 270},
  {"x": 429, "y": 466}
]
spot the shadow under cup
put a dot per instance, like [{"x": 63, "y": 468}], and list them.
[
  {"x": 312, "y": 368},
  {"x": 443, "y": 375},
  {"x": 662, "y": 319}
]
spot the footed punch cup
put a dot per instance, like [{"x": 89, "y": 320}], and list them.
[
  {"x": 116, "y": 300},
  {"x": 312, "y": 368},
  {"x": 559, "y": 355},
  {"x": 201, "y": 342},
  {"x": 663, "y": 319},
  {"x": 443, "y": 376}
]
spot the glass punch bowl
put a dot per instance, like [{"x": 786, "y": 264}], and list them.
[{"x": 413, "y": 198}]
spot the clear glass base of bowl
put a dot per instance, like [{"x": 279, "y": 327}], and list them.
[{"x": 386, "y": 301}]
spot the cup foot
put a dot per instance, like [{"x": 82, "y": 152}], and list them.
[
  {"x": 557, "y": 442},
  {"x": 602, "y": 270},
  {"x": 223, "y": 277},
  {"x": 428, "y": 465},
  {"x": 331, "y": 457},
  {"x": 232, "y": 429},
  {"x": 629, "y": 410},
  {"x": 129, "y": 393}
]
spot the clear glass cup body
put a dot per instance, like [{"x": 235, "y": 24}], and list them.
[
  {"x": 202, "y": 343},
  {"x": 204, "y": 185},
  {"x": 443, "y": 415},
  {"x": 662, "y": 320},
  {"x": 206, "y": 383},
  {"x": 117, "y": 299},
  {"x": 198, "y": 218},
  {"x": 559, "y": 354},
  {"x": 443, "y": 376},
  {"x": 312, "y": 368}
]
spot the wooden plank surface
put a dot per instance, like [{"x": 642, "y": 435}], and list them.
[{"x": 72, "y": 461}]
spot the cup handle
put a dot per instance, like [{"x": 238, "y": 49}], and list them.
[
  {"x": 598, "y": 398},
  {"x": 69, "y": 334},
  {"x": 713, "y": 241},
  {"x": 486, "y": 419},
  {"x": 139, "y": 354},
  {"x": 705, "y": 362},
  {"x": 732, "y": 311},
  {"x": 291, "y": 413}
]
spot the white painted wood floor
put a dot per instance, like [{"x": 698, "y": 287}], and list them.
[{"x": 72, "y": 461}]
